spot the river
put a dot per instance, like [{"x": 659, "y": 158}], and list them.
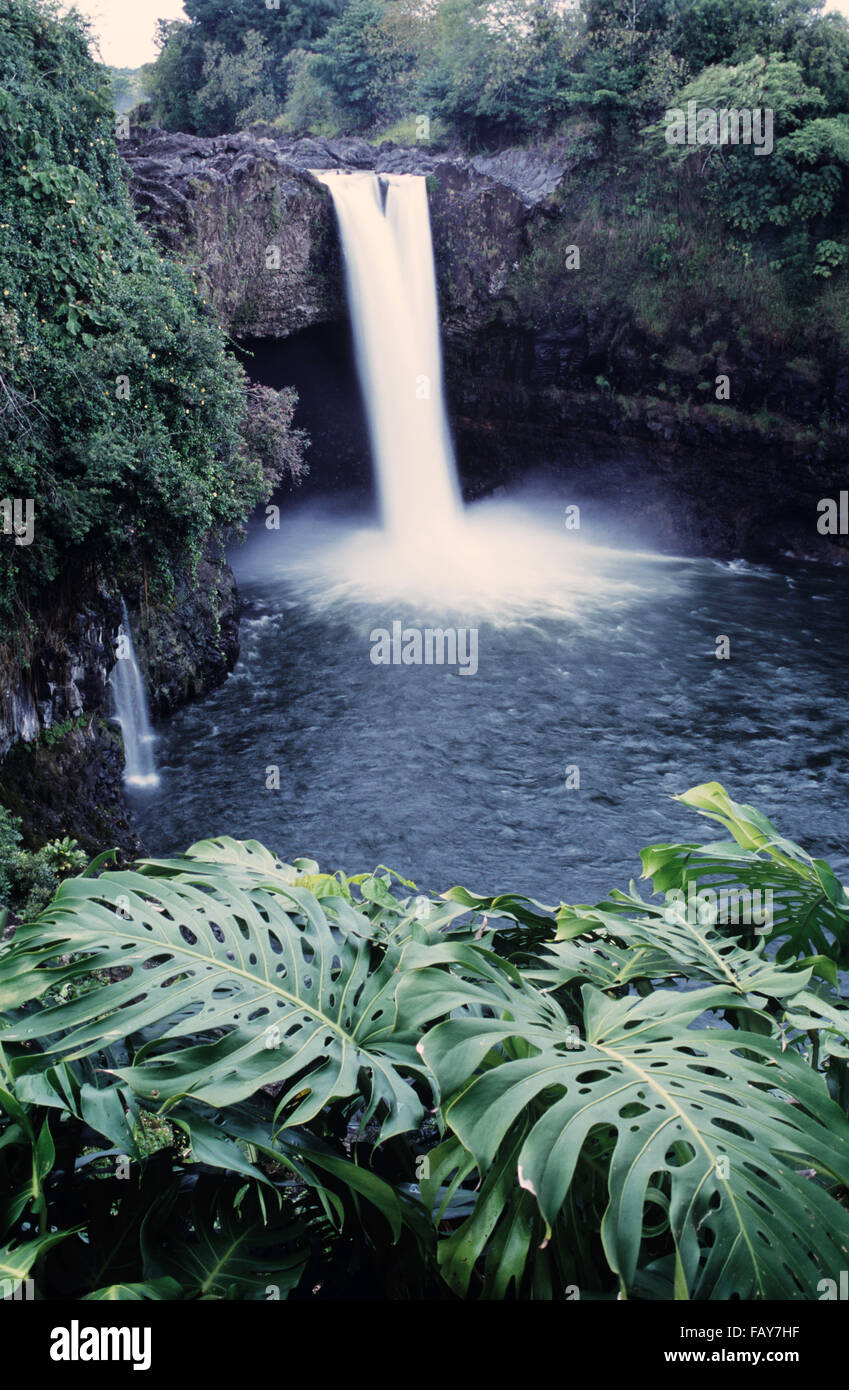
[{"x": 604, "y": 662}]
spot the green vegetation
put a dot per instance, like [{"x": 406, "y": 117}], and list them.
[
  {"x": 229, "y": 64},
  {"x": 249, "y": 1053},
  {"x": 791, "y": 196},
  {"x": 656, "y": 222},
  {"x": 121, "y": 412},
  {"x": 127, "y": 89},
  {"x": 29, "y": 878}
]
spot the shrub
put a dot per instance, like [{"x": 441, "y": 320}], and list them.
[
  {"x": 121, "y": 411},
  {"x": 598, "y": 1127},
  {"x": 310, "y": 106},
  {"x": 29, "y": 879}
]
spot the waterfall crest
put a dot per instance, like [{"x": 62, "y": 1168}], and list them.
[
  {"x": 384, "y": 223},
  {"x": 129, "y": 706}
]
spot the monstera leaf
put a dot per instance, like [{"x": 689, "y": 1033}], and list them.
[
  {"x": 599, "y": 957},
  {"x": 232, "y": 974},
  {"x": 810, "y": 907},
  {"x": 17, "y": 1261},
  {"x": 717, "y": 1128},
  {"x": 664, "y": 943},
  {"x": 217, "y": 1247},
  {"x": 155, "y": 1290}
]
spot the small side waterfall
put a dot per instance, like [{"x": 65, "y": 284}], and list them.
[
  {"x": 129, "y": 704},
  {"x": 385, "y": 227}
]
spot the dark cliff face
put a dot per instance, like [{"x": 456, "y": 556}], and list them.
[
  {"x": 61, "y": 757},
  {"x": 579, "y": 390},
  {"x": 189, "y": 645},
  {"x": 61, "y": 760},
  {"x": 246, "y": 211}
]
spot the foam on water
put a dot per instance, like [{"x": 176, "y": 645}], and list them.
[
  {"x": 503, "y": 563},
  {"x": 500, "y": 562}
]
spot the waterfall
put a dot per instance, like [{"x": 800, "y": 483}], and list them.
[
  {"x": 385, "y": 228},
  {"x": 500, "y": 561},
  {"x": 129, "y": 704}
]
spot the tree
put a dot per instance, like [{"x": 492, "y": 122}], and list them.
[
  {"x": 821, "y": 48},
  {"x": 353, "y": 60},
  {"x": 122, "y": 411},
  {"x": 193, "y": 57},
  {"x": 708, "y": 32},
  {"x": 283, "y": 27},
  {"x": 171, "y": 81},
  {"x": 239, "y": 87},
  {"x": 500, "y": 67},
  {"x": 794, "y": 194}
]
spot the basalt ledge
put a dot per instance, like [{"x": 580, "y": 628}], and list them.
[{"x": 580, "y": 390}]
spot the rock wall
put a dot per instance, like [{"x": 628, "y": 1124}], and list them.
[
  {"x": 61, "y": 760},
  {"x": 581, "y": 390},
  {"x": 246, "y": 212}
]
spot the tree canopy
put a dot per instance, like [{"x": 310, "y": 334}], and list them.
[
  {"x": 121, "y": 412},
  {"x": 492, "y": 72}
]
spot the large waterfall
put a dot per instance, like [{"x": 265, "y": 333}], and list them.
[
  {"x": 501, "y": 560},
  {"x": 129, "y": 702},
  {"x": 385, "y": 227}
]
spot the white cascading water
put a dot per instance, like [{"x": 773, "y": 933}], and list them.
[
  {"x": 504, "y": 560},
  {"x": 129, "y": 704},
  {"x": 392, "y": 292}
]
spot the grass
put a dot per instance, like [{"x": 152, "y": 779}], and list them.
[
  {"x": 673, "y": 272},
  {"x": 405, "y": 131}
]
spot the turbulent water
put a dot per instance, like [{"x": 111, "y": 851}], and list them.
[
  {"x": 580, "y": 687},
  {"x": 600, "y": 658}
]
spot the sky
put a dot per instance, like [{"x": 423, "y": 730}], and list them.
[{"x": 125, "y": 28}]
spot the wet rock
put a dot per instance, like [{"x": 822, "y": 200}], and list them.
[
  {"x": 531, "y": 174},
  {"x": 190, "y": 646},
  {"x": 71, "y": 786},
  {"x": 61, "y": 756}
]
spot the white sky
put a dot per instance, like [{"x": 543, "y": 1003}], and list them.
[{"x": 126, "y": 28}]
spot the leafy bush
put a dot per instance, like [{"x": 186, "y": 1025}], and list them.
[
  {"x": 350, "y": 62},
  {"x": 259, "y": 1048},
  {"x": 245, "y": 46},
  {"x": 237, "y": 88},
  {"x": 29, "y": 878},
  {"x": 499, "y": 69},
  {"x": 800, "y": 188},
  {"x": 362, "y": 72},
  {"x": 121, "y": 411},
  {"x": 310, "y": 105}
]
